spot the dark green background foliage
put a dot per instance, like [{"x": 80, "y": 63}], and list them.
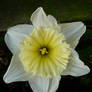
[{"x": 13, "y": 12}]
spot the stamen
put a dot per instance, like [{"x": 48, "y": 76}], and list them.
[{"x": 43, "y": 51}]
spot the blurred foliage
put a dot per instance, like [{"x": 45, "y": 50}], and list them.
[
  {"x": 13, "y": 12},
  {"x": 86, "y": 45}
]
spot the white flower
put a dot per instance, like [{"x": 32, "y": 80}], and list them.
[{"x": 44, "y": 51}]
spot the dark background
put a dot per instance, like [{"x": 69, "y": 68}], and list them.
[{"x": 13, "y": 12}]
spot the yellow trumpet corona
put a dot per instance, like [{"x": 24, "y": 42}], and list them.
[{"x": 44, "y": 53}]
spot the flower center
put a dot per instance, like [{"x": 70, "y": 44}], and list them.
[{"x": 43, "y": 51}]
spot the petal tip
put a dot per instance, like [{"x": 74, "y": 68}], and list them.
[
  {"x": 40, "y": 8},
  {"x": 80, "y": 22},
  {"x": 5, "y": 79},
  {"x": 88, "y": 69}
]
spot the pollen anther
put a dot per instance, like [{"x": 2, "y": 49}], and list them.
[{"x": 43, "y": 51}]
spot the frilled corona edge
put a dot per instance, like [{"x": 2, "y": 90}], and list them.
[{"x": 45, "y": 53}]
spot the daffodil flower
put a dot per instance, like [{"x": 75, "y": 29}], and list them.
[{"x": 44, "y": 51}]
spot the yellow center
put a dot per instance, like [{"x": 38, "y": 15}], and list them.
[{"x": 44, "y": 53}]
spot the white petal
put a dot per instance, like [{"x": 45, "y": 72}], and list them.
[
  {"x": 15, "y": 71},
  {"x": 52, "y": 19},
  {"x": 54, "y": 84},
  {"x": 15, "y": 35},
  {"x": 39, "y": 18},
  {"x": 76, "y": 67},
  {"x": 39, "y": 84},
  {"x": 73, "y": 32}
]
